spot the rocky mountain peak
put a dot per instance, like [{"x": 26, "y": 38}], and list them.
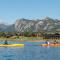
[{"x": 22, "y": 25}]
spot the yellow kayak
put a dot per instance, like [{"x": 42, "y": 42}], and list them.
[
  {"x": 50, "y": 45},
  {"x": 11, "y": 45}
]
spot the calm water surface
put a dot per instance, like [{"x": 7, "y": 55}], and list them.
[{"x": 29, "y": 52}]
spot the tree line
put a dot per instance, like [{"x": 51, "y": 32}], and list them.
[{"x": 10, "y": 34}]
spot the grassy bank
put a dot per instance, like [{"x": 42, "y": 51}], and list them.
[
  {"x": 30, "y": 39},
  {"x": 21, "y": 38}
]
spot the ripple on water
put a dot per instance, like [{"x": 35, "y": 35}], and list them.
[
  {"x": 9, "y": 59},
  {"x": 8, "y": 55}
]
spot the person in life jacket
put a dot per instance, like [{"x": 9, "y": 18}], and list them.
[{"x": 47, "y": 42}]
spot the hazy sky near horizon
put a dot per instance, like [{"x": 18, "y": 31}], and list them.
[{"x": 10, "y": 10}]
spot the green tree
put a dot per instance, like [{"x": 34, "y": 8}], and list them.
[
  {"x": 27, "y": 34},
  {"x": 2, "y": 34}
]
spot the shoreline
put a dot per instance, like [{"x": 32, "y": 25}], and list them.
[{"x": 28, "y": 39}]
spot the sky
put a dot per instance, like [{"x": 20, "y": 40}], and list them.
[{"x": 11, "y": 10}]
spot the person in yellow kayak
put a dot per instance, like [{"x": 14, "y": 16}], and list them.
[{"x": 5, "y": 42}]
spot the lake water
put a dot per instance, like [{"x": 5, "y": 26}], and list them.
[{"x": 29, "y": 52}]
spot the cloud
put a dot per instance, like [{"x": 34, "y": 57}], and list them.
[{"x": 1, "y": 21}]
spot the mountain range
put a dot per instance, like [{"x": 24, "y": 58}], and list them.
[{"x": 37, "y": 25}]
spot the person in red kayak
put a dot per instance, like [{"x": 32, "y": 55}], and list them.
[
  {"x": 47, "y": 42},
  {"x": 55, "y": 42}
]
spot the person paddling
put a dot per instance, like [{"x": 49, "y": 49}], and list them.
[
  {"x": 47, "y": 42},
  {"x": 55, "y": 42},
  {"x": 5, "y": 42}
]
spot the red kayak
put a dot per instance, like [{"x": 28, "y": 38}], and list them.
[{"x": 50, "y": 44}]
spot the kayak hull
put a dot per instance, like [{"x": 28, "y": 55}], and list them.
[
  {"x": 11, "y": 45},
  {"x": 50, "y": 45}
]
